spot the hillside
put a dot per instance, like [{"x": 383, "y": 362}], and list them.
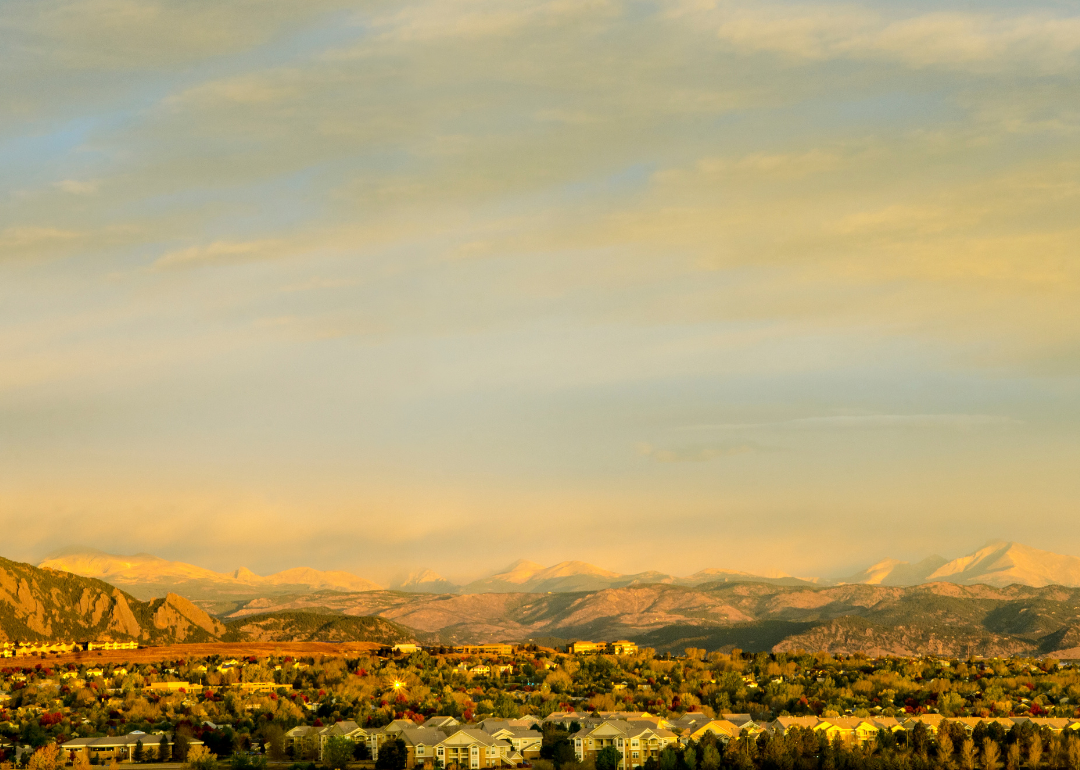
[
  {"x": 940, "y": 617},
  {"x": 314, "y": 627},
  {"x": 43, "y": 604}
]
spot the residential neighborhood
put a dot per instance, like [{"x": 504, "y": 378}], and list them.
[{"x": 609, "y": 707}]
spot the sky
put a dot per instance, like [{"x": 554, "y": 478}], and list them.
[{"x": 380, "y": 286}]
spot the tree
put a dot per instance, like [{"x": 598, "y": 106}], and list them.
[
  {"x": 710, "y": 758},
  {"x": 338, "y": 751},
  {"x": 1012, "y": 757},
  {"x": 1035, "y": 751},
  {"x": 392, "y": 756},
  {"x": 44, "y": 758},
  {"x": 991, "y": 754},
  {"x": 274, "y": 739},
  {"x": 244, "y": 761},
  {"x": 1072, "y": 752},
  {"x": 139, "y": 754},
  {"x": 669, "y": 760},
  {"x": 967, "y": 754},
  {"x": 180, "y": 748},
  {"x": 944, "y": 747},
  {"x": 689, "y": 757},
  {"x": 163, "y": 749},
  {"x": 607, "y": 759},
  {"x": 200, "y": 758}
]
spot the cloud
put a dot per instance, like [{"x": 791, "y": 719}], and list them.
[
  {"x": 945, "y": 39},
  {"x": 870, "y": 422},
  {"x": 697, "y": 454},
  {"x": 218, "y": 253},
  {"x": 75, "y": 187}
]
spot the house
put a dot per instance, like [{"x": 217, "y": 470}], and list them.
[
  {"x": 524, "y": 740},
  {"x": 634, "y": 741},
  {"x": 850, "y": 730},
  {"x": 623, "y": 647},
  {"x": 443, "y": 723},
  {"x": 472, "y": 749},
  {"x": 344, "y": 729},
  {"x": 931, "y": 721},
  {"x": 420, "y": 743},
  {"x": 304, "y": 741},
  {"x": 112, "y": 646},
  {"x": 586, "y": 648},
  {"x": 485, "y": 649},
  {"x": 406, "y": 648},
  {"x": 256, "y": 686},
  {"x": 171, "y": 687},
  {"x": 781, "y": 725},
  {"x": 392, "y": 731},
  {"x": 121, "y": 747}
]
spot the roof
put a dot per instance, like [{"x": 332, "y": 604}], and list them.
[
  {"x": 129, "y": 740},
  {"x": 422, "y": 736}
]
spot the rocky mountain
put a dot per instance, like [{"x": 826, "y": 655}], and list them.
[
  {"x": 42, "y": 604},
  {"x": 942, "y": 617},
  {"x": 45, "y": 604},
  {"x": 891, "y": 572},
  {"x": 569, "y": 576},
  {"x": 426, "y": 581},
  {"x": 1002, "y": 564},
  {"x": 145, "y": 576}
]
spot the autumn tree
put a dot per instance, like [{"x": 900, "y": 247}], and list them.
[{"x": 991, "y": 754}]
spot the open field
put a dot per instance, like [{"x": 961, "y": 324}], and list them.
[{"x": 175, "y": 651}]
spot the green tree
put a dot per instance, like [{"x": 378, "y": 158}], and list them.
[
  {"x": 180, "y": 748},
  {"x": 163, "y": 750},
  {"x": 607, "y": 759},
  {"x": 689, "y": 757},
  {"x": 669, "y": 760},
  {"x": 338, "y": 752},
  {"x": 138, "y": 755},
  {"x": 710, "y": 758}
]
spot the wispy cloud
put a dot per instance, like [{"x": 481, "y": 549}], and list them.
[
  {"x": 218, "y": 253},
  {"x": 867, "y": 421},
  {"x": 698, "y": 453},
  {"x": 946, "y": 39},
  {"x": 77, "y": 187}
]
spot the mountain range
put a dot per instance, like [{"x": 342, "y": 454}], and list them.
[
  {"x": 934, "y": 618},
  {"x": 145, "y": 577},
  {"x": 41, "y": 604}
]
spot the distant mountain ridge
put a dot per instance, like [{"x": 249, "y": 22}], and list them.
[
  {"x": 998, "y": 563},
  {"x": 144, "y": 576}
]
